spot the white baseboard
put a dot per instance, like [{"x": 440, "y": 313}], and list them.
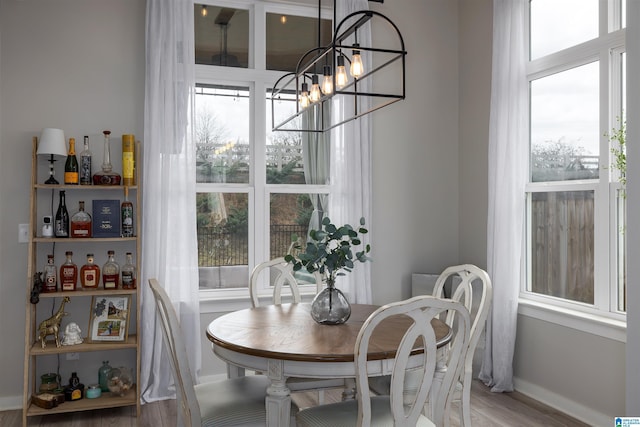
[
  {"x": 562, "y": 404},
  {"x": 10, "y": 403}
]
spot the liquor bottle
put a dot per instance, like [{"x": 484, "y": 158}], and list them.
[
  {"x": 71, "y": 165},
  {"x": 69, "y": 273},
  {"x": 74, "y": 390},
  {"x": 81, "y": 222},
  {"x": 110, "y": 272},
  {"x": 90, "y": 274},
  {"x": 126, "y": 215},
  {"x": 129, "y": 273},
  {"x": 128, "y": 160},
  {"x": 50, "y": 276},
  {"x": 61, "y": 225},
  {"x": 106, "y": 176},
  {"x": 85, "y": 163}
]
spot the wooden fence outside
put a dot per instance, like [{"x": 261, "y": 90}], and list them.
[{"x": 562, "y": 245}]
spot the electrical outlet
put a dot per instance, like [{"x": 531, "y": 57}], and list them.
[
  {"x": 73, "y": 356},
  {"x": 23, "y": 233}
]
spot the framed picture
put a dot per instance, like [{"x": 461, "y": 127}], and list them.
[{"x": 108, "y": 320}]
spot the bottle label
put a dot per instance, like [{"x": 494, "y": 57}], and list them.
[
  {"x": 110, "y": 281},
  {"x": 127, "y": 165},
  {"x": 61, "y": 230},
  {"x": 85, "y": 170},
  {"x": 71, "y": 177},
  {"x": 128, "y": 280},
  {"x": 90, "y": 279}
]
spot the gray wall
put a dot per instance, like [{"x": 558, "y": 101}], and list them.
[{"x": 79, "y": 65}]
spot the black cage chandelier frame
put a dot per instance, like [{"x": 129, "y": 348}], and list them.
[{"x": 326, "y": 58}]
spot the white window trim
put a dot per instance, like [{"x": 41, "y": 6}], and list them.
[
  {"x": 257, "y": 79},
  {"x": 601, "y": 318}
]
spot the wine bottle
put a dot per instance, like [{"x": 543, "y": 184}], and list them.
[
  {"x": 61, "y": 226},
  {"x": 85, "y": 163},
  {"x": 126, "y": 215},
  {"x": 71, "y": 165}
]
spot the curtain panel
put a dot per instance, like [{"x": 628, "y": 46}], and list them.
[
  {"x": 507, "y": 166},
  {"x": 351, "y": 168},
  {"x": 169, "y": 237}
]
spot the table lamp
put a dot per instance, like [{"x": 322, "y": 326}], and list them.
[{"x": 52, "y": 142}]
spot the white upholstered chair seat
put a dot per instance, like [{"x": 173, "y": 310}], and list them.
[
  {"x": 345, "y": 414},
  {"x": 394, "y": 409},
  {"x": 230, "y": 402}
]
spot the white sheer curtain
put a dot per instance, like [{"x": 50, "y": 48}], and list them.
[
  {"x": 169, "y": 242},
  {"x": 351, "y": 170},
  {"x": 507, "y": 166}
]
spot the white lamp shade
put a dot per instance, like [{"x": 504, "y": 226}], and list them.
[{"x": 52, "y": 142}]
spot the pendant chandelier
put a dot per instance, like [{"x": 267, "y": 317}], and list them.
[{"x": 343, "y": 70}]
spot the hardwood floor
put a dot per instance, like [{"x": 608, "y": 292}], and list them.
[{"x": 488, "y": 409}]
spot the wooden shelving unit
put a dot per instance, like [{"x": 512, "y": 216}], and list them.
[{"x": 33, "y": 348}]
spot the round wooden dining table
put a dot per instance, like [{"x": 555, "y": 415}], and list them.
[{"x": 283, "y": 341}]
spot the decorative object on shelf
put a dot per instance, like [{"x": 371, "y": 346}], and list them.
[
  {"x": 47, "y": 227},
  {"x": 126, "y": 215},
  {"x": 329, "y": 251},
  {"x": 109, "y": 318},
  {"x": 111, "y": 272},
  {"x": 129, "y": 273},
  {"x": 72, "y": 334},
  {"x": 90, "y": 274},
  {"x": 50, "y": 276},
  {"x": 49, "y": 382},
  {"x": 103, "y": 374},
  {"x": 93, "y": 391},
  {"x": 128, "y": 160},
  {"x": 71, "y": 169},
  {"x": 119, "y": 381},
  {"x": 52, "y": 143},
  {"x": 85, "y": 163},
  {"x": 106, "y": 176},
  {"x": 61, "y": 224},
  {"x": 51, "y": 326},
  {"x": 68, "y": 273},
  {"x": 325, "y": 59},
  {"x": 106, "y": 218},
  {"x": 81, "y": 222},
  {"x": 75, "y": 389},
  {"x": 37, "y": 287}
]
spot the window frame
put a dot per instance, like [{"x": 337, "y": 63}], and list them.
[
  {"x": 601, "y": 317},
  {"x": 258, "y": 79}
]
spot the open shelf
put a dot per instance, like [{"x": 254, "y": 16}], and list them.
[{"x": 106, "y": 400}]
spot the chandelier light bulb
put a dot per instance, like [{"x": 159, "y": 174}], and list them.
[
  {"x": 341, "y": 73},
  {"x": 356, "y": 69},
  {"x": 327, "y": 80},
  {"x": 304, "y": 95},
  {"x": 314, "y": 95}
]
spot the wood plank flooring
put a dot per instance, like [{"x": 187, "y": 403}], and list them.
[{"x": 488, "y": 410}]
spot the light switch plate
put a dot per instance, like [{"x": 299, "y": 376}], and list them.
[{"x": 23, "y": 233}]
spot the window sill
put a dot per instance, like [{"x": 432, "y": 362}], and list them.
[
  {"x": 228, "y": 300},
  {"x": 585, "y": 322}
]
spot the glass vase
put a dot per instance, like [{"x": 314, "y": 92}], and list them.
[{"x": 330, "y": 307}]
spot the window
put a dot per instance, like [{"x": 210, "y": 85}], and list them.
[
  {"x": 252, "y": 194},
  {"x": 575, "y": 250}
]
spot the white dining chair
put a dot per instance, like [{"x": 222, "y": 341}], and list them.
[
  {"x": 394, "y": 409},
  {"x": 282, "y": 276},
  {"x": 230, "y": 402},
  {"x": 472, "y": 287}
]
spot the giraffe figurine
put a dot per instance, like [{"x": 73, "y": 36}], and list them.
[{"x": 51, "y": 326}]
